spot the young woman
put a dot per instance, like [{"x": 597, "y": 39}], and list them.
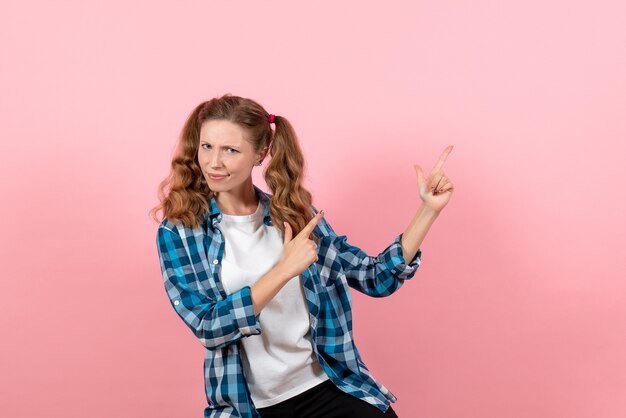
[{"x": 262, "y": 279}]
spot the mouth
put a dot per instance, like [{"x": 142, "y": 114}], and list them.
[{"x": 216, "y": 177}]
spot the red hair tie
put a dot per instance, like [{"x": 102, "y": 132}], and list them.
[{"x": 271, "y": 118}]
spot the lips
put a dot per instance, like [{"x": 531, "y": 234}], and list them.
[{"x": 216, "y": 176}]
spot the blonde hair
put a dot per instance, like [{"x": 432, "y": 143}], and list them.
[{"x": 185, "y": 195}]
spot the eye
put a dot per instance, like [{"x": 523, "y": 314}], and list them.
[{"x": 208, "y": 145}]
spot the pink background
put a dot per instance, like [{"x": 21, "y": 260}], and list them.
[{"x": 519, "y": 307}]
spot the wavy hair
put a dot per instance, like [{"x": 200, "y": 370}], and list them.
[{"x": 185, "y": 195}]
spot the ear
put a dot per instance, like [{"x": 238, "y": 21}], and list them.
[{"x": 263, "y": 153}]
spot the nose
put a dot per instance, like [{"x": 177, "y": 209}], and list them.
[{"x": 215, "y": 159}]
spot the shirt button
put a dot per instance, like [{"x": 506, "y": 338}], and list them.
[
  {"x": 215, "y": 261},
  {"x": 176, "y": 302}
]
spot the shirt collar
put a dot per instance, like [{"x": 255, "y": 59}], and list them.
[{"x": 215, "y": 215}]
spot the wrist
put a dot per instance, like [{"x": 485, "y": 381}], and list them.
[
  {"x": 281, "y": 273},
  {"x": 427, "y": 211}
]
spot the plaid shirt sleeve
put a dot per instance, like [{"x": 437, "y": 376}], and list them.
[
  {"x": 375, "y": 276},
  {"x": 216, "y": 323}
]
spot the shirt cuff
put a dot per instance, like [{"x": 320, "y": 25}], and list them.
[
  {"x": 394, "y": 260},
  {"x": 242, "y": 309}
]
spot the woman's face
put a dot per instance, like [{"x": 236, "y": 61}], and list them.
[{"x": 224, "y": 151}]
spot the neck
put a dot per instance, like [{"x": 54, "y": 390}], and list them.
[{"x": 241, "y": 201}]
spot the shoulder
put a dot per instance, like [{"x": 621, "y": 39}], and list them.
[
  {"x": 167, "y": 235},
  {"x": 174, "y": 230},
  {"x": 167, "y": 224}
]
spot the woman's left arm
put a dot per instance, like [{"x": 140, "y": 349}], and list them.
[
  {"x": 382, "y": 275},
  {"x": 435, "y": 192},
  {"x": 415, "y": 233}
]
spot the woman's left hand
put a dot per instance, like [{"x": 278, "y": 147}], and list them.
[{"x": 435, "y": 191}]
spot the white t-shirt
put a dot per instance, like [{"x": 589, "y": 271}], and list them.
[{"x": 279, "y": 363}]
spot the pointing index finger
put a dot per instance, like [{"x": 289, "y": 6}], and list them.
[
  {"x": 442, "y": 159},
  {"x": 306, "y": 231}
]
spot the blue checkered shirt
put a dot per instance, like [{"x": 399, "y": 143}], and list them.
[{"x": 190, "y": 261}]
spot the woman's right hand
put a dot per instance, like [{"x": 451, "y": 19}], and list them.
[{"x": 299, "y": 252}]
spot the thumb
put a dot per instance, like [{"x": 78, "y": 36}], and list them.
[
  {"x": 420, "y": 175},
  {"x": 288, "y": 233}
]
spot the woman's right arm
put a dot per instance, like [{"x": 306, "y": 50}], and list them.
[
  {"x": 298, "y": 254},
  {"x": 264, "y": 290},
  {"x": 216, "y": 323}
]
